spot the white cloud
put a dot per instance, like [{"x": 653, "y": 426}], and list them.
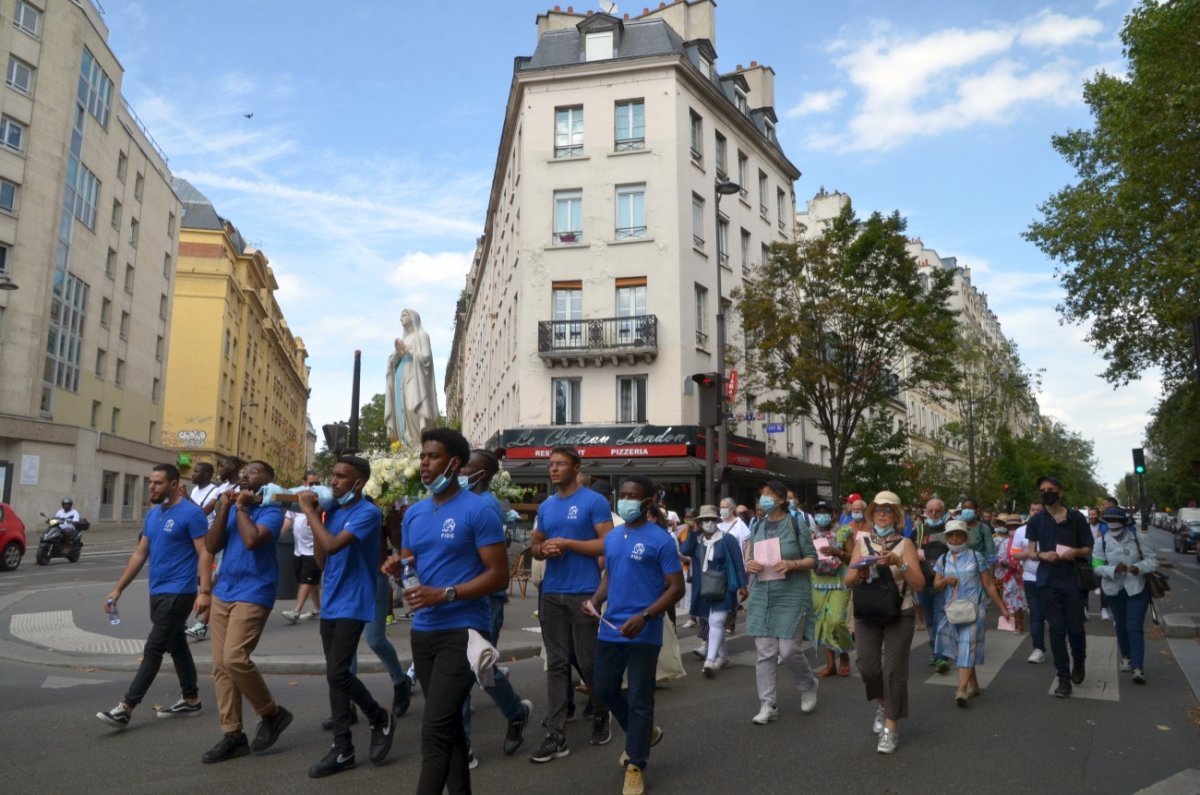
[
  {"x": 1052, "y": 29},
  {"x": 816, "y": 102},
  {"x": 419, "y": 269}
]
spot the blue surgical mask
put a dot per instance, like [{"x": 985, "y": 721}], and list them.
[
  {"x": 968, "y": 514},
  {"x": 440, "y": 483},
  {"x": 856, "y": 516},
  {"x": 464, "y": 482},
  {"x": 823, "y": 520},
  {"x": 629, "y": 510},
  {"x": 956, "y": 548},
  {"x": 931, "y": 522},
  {"x": 767, "y": 504},
  {"x": 348, "y": 496},
  {"x": 884, "y": 532}
]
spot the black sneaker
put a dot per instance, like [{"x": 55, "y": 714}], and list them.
[
  {"x": 1078, "y": 672},
  {"x": 516, "y": 729},
  {"x": 601, "y": 729},
  {"x": 382, "y": 734},
  {"x": 117, "y": 717},
  {"x": 1064, "y": 689},
  {"x": 337, "y": 760},
  {"x": 179, "y": 708},
  {"x": 230, "y": 746},
  {"x": 269, "y": 730},
  {"x": 570, "y": 713},
  {"x": 327, "y": 724},
  {"x": 401, "y": 698},
  {"x": 553, "y": 747}
]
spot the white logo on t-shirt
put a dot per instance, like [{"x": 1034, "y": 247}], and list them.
[
  {"x": 573, "y": 513},
  {"x": 639, "y": 549},
  {"x": 169, "y": 526},
  {"x": 448, "y": 529}
]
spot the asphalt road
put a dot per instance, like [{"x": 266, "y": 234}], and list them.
[{"x": 1015, "y": 736}]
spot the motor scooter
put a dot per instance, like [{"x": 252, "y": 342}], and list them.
[{"x": 58, "y": 542}]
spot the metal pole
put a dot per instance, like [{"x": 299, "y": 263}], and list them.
[
  {"x": 1143, "y": 503},
  {"x": 723, "y": 425},
  {"x": 710, "y": 468},
  {"x": 354, "y": 402}
]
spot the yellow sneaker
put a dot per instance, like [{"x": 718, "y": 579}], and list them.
[{"x": 634, "y": 784}]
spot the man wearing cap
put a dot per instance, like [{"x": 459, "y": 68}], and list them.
[
  {"x": 848, "y": 508},
  {"x": 1057, "y": 538}
]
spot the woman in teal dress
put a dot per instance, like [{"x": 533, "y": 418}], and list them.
[{"x": 830, "y": 597}]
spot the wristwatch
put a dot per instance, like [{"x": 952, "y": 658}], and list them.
[
  {"x": 903, "y": 567},
  {"x": 451, "y": 593},
  {"x": 646, "y": 616}
]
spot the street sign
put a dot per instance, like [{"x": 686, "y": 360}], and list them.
[
  {"x": 731, "y": 386},
  {"x": 774, "y": 427}
]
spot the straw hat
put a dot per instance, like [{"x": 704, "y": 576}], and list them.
[
  {"x": 709, "y": 512},
  {"x": 888, "y": 498}
]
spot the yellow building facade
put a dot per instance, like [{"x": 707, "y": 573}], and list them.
[{"x": 237, "y": 381}]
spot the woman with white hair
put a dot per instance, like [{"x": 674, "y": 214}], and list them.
[{"x": 717, "y": 577}]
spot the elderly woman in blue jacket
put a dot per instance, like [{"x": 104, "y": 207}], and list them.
[
  {"x": 716, "y": 555},
  {"x": 1122, "y": 564}
]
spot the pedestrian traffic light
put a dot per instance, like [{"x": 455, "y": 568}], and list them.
[
  {"x": 710, "y": 398},
  {"x": 1139, "y": 460},
  {"x": 337, "y": 437}
]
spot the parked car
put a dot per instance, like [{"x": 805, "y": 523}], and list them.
[
  {"x": 12, "y": 538},
  {"x": 1187, "y": 532}
]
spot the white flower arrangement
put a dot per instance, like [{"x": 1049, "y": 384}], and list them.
[{"x": 396, "y": 477}]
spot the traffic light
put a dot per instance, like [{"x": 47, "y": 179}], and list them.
[
  {"x": 337, "y": 437},
  {"x": 1139, "y": 460},
  {"x": 710, "y": 398}
]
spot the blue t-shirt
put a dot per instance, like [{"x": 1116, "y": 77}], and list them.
[
  {"x": 348, "y": 583},
  {"x": 172, "y": 533},
  {"x": 572, "y": 517},
  {"x": 637, "y": 562},
  {"x": 445, "y": 541},
  {"x": 250, "y": 575}
]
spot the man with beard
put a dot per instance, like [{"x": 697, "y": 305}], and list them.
[{"x": 173, "y": 541}]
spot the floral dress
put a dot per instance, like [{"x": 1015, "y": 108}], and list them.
[
  {"x": 830, "y": 597},
  {"x": 1010, "y": 578}
]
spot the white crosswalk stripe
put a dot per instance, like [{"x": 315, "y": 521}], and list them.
[
  {"x": 1102, "y": 679},
  {"x": 55, "y": 629},
  {"x": 998, "y": 647}
]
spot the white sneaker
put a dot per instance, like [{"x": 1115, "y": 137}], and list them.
[
  {"x": 701, "y": 651},
  {"x": 808, "y": 700},
  {"x": 199, "y": 631},
  {"x": 1104, "y": 616},
  {"x": 308, "y": 615},
  {"x": 888, "y": 740},
  {"x": 689, "y": 624},
  {"x": 1126, "y": 665},
  {"x": 767, "y": 714},
  {"x": 709, "y": 669},
  {"x": 1038, "y": 656},
  {"x": 877, "y": 726},
  {"x": 723, "y": 662},
  {"x": 290, "y": 616}
]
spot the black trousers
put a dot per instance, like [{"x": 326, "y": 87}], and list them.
[
  {"x": 446, "y": 680},
  {"x": 339, "y": 639},
  {"x": 1064, "y": 615},
  {"x": 168, "y": 616}
]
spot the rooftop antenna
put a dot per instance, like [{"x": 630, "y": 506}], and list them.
[{"x": 609, "y": 7}]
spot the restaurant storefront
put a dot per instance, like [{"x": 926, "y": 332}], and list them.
[{"x": 671, "y": 456}]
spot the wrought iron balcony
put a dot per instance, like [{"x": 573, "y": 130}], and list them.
[{"x": 599, "y": 341}]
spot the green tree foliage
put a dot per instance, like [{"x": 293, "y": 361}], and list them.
[
  {"x": 1173, "y": 449},
  {"x": 1055, "y": 450},
  {"x": 1128, "y": 232},
  {"x": 372, "y": 432},
  {"x": 829, "y": 321},
  {"x": 935, "y": 475},
  {"x": 876, "y": 458}
]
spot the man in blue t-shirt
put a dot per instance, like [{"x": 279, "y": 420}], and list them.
[
  {"x": 173, "y": 541},
  {"x": 246, "y": 531},
  {"x": 455, "y": 543},
  {"x": 642, "y": 578},
  {"x": 1058, "y": 537},
  {"x": 571, "y": 525},
  {"x": 346, "y": 546}
]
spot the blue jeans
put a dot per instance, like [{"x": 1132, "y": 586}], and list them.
[
  {"x": 1037, "y": 618},
  {"x": 1129, "y": 614},
  {"x": 635, "y": 710},
  {"x": 933, "y": 605},
  {"x": 376, "y": 632}
]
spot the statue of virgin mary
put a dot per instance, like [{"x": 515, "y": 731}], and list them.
[{"x": 410, "y": 405}]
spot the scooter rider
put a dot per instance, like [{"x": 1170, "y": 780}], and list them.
[{"x": 70, "y": 518}]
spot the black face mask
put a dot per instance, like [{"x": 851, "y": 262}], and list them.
[{"x": 1050, "y": 497}]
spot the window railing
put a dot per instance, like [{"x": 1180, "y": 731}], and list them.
[
  {"x": 744, "y": 192},
  {"x": 721, "y": 175},
  {"x": 697, "y": 241},
  {"x": 762, "y": 210},
  {"x": 697, "y": 155},
  {"x": 723, "y": 258},
  {"x": 630, "y": 144},
  {"x": 630, "y": 232},
  {"x": 701, "y": 339},
  {"x": 564, "y": 152},
  {"x": 566, "y": 238},
  {"x": 607, "y": 333}
]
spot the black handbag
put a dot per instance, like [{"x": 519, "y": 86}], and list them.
[
  {"x": 1085, "y": 575},
  {"x": 714, "y": 586},
  {"x": 878, "y": 600}
]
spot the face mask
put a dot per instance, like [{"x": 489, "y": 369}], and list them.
[
  {"x": 708, "y": 527},
  {"x": 348, "y": 496},
  {"x": 726, "y": 513},
  {"x": 957, "y": 547},
  {"x": 931, "y": 522},
  {"x": 440, "y": 483},
  {"x": 464, "y": 482},
  {"x": 823, "y": 519},
  {"x": 856, "y": 516},
  {"x": 968, "y": 514},
  {"x": 1002, "y": 531},
  {"x": 884, "y": 532},
  {"x": 1116, "y": 531},
  {"x": 767, "y": 504},
  {"x": 793, "y": 504},
  {"x": 629, "y": 510},
  {"x": 1050, "y": 497}
]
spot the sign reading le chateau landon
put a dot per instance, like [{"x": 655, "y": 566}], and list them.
[{"x": 600, "y": 442}]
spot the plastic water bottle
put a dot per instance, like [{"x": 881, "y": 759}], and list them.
[
  {"x": 409, "y": 578},
  {"x": 110, "y": 610}
]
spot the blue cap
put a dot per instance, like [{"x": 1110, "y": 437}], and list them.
[{"x": 1115, "y": 517}]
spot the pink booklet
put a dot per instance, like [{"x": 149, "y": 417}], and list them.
[{"x": 767, "y": 553}]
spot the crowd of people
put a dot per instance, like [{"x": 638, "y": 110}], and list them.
[{"x": 616, "y": 578}]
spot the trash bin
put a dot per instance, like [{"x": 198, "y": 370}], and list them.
[{"x": 284, "y": 553}]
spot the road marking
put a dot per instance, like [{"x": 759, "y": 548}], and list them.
[
  {"x": 538, "y": 630},
  {"x": 1183, "y": 781},
  {"x": 56, "y": 630},
  {"x": 998, "y": 647},
  {"x": 62, "y": 682},
  {"x": 1103, "y": 677}
]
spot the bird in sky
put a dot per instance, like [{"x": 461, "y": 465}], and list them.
[{"x": 248, "y": 115}]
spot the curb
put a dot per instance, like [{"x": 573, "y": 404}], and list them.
[{"x": 1181, "y": 625}]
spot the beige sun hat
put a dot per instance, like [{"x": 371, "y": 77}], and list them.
[
  {"x": 709, "y": 512},
  {"x": 956, "y": 526},
  {"x": 889, "y": 498}
]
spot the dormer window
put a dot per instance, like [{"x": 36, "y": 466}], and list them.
[
  {"x": 740, "y": 98},
  {"x": 598, "y": 46},
  {"x": 769, "y": 130},
  {"x": 706, "y": 66}
]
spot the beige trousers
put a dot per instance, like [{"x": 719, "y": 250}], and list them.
[{"x": 235, "y": 628}]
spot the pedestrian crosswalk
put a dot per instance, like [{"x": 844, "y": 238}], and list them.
[
  {"x": 1101, "y": 683},
  {"x": 998, "y": 648}
]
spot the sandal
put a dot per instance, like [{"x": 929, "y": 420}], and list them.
[
  {"x": 824, "y": 672},
  {"x": 844, "y": 669}
]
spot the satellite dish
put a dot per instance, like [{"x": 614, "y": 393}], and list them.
[{"x": 608, "y": 6}]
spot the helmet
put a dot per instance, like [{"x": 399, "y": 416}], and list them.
[{"x": 68, "y": 501}]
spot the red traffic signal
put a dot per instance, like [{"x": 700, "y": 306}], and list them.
[{"x": 710, "y": 398}]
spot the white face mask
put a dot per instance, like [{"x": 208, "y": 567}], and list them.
[
  {"x": 956, "y": 548},
  {"x": 726, "y": 513}
]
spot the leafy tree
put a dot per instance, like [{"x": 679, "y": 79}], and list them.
[
  {"x": 934, "y": 475},
  {"x": 840, "y": 324},
  {"x": 372, "y": 431},
  {"x": 1053, "y": 449},
  {"x": 1173, "y": 448},
  {"x": 1127, "y": 233},
  {"x": 324, "y": 462},
  {"x": 876, "y": 458}
]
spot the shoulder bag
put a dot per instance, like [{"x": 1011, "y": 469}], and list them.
[
  {"x": 878, "y": 600},
  {"x": 962, "y": 611},
  {"x": 714, "y": 583},
  {"x": 1085, "y": 575},
  {"x": 1156, "y": 582}
]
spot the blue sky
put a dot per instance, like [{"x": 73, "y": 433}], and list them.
[{"x": 363, "y": 174}]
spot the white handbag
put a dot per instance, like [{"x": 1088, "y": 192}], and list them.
[{"x": 960, "y": 611}]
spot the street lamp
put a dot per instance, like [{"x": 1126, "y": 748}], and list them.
[
  {"x": 722, "y": 187},
  {"x": 8, "y": 284}
]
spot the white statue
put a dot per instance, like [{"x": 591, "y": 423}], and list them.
[{"x": 410, "y": 407}]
